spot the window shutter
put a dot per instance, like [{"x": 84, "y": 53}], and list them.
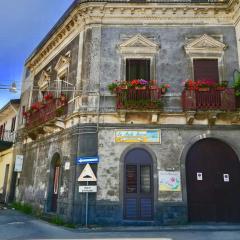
[{"x": 206, "y": 69}]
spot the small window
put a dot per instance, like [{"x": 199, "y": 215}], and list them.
[
  {"x": 137, "y": 69},
  {"x": 13, "y": 124},
  {"x": 206, "y": 69}
]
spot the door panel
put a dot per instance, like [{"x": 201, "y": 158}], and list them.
[
  {"x": 213, "y": 197},
  {"x": 138, "y": 189}
]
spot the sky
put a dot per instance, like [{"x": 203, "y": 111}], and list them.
[{"x": 23, "y": 24}]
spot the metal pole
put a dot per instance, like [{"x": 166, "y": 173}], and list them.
[{"x": 86, "y": 208}]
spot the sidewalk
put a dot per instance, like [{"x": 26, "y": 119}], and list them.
[{"x": 187, "y": 227}]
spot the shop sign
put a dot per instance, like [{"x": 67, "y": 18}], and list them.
[
  {"x": 85, "y": 160},
  {"x": 169, "y": 181},
  {"x": 87, "y": 189},
  {"x": 138, "y": 136},
  {"x": 18, "y": 163}
]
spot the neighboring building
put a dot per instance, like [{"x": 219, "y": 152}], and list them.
[
  {"x": 8, "y": 124},
  {"x": 163, "y": 158}
]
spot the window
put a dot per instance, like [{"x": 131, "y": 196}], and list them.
[
  {"x": 206, "y": 69},
  {"x": 13, "y": 124},
  {"x": 23, "y": 111},
  {"x": 137, "y": 69}
]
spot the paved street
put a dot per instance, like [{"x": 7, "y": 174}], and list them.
[{"x": 14, "y": 225}]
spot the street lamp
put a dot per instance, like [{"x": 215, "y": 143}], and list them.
[{"x": 12, "y": 88}]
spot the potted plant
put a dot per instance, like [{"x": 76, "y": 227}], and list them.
[
  {"x": 164, "y": 88},
  {"x": 222, "y": 85},
  {"x": 48, "y": 96},
  {"x": 113, "y": 86}
]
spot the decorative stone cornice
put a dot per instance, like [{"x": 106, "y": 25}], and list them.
[{"x": 86, "y": 14}]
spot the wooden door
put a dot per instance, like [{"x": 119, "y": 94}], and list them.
[
  {"x": 138, "y": 185},
  {"x": 213, "y": 182},
  {"x": 55, "y": 186}
]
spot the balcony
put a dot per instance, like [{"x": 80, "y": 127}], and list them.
[
  {"x": 46, "y": 113},
  {"x": 7, "y": 139},
  {"x": 134, "y": 99},
  {"x": 213, "y": 99}
]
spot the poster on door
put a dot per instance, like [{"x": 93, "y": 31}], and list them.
[{"x": 169, "y": 181}]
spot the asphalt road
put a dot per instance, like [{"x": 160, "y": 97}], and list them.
[{"x": 14, "y": 225}]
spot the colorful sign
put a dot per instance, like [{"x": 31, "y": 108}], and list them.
[
  {"x": 138, "y": 136},
  {"x": 85, "y": 160},
  {"x": 87, "y": 175},
  {"x": 169, "y": 181}
]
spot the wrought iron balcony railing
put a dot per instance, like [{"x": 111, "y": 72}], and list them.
[
  {"x": 139, "y": 99},
  {"x": 48, "y": 112},
  {"x": 7, "y": 136},
  {"x": 209, "y": 100}
]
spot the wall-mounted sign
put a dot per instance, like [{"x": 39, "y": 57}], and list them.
[
  {"x": 169, "y": 181},
  {"x": 87, "y": 175},
  {"x": 87, "y": 189},
  {"x": 226, "y": 177},
  {"x": 67, "y": 166},
  {"x": 18, "y": 163},
  {"x": 85, "y": 160},
  {"x": 199, "y": 176},
  {"x": 137, "y": 136}
]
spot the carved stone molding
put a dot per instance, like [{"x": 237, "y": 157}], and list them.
[
  {"x": 43, "y": 80},
  {"x": 138, "y": 44}
]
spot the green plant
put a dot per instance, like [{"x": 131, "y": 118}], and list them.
[
  {"x": 23, "y": 207},
  {"x": 236, "y": 86},
  {"x": 60, "y": 111},
  {"x": 113, "y": 86}
]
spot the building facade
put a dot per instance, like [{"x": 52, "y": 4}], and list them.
[
  {"x": 164, "y": 157},
  {"x": 8, "y": 125}
]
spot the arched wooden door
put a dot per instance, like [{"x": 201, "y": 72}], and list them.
[
  {"x": 213, "y": 182},
  {"x": 56, "y": 166},
  {"x": 138, "y": 185}
]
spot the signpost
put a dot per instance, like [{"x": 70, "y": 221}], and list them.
[
  {"x": 86, "y": 160},
  {"x": 87, "y": 175}
]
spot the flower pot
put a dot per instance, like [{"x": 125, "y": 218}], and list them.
[
  {"x": 153, "y": 87},
  {"x": 203, "y": 89},
  {"x": 220, "y": 88},
  {"x": 163, "y": 90},
  {"x": 141, "y": 88},
  {"x": 123, "y": 87}
]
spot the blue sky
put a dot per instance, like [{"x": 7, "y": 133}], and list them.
[{"x": 23, "y": 24}]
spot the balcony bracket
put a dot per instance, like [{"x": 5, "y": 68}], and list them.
[
  {"x": 190, "y": 116},
  {"x": 212, "y": 117},
  {"x": 122, "y": 116}
]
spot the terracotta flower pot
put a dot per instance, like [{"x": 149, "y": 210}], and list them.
[{"x": 203, "y": 89}]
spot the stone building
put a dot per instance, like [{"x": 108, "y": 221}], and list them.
[
  {"x": 8, "y": 125},
  {"x": 163, "y": 157}
]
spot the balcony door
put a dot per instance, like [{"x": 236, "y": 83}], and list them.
[
  {"x": 213, "y": 182},
  {"x": 137, "y": 69},
  {"x": 54, "y": 182},
  {"x": 206, "y": 69},
  {"x": 138, "y": 185}
]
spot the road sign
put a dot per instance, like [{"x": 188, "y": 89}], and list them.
[
  {"x": 87, "y": 189},
  {"x": 85, "y": 160},
  {"x": 87, "y": 175}
]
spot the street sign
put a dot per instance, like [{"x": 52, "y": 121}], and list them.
[
  {"x": 18, "y": 163},
  {"x": 87, "y": 175},
  {"x": 87, "y": 189},
  {"x": 85, "y": 160}
]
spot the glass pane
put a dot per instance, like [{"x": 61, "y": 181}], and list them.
[
  {"x": 145, "y": 178},
  {"x": 131, "y": 178}
]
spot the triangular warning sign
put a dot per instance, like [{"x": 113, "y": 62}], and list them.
[{"x": 87, "y": 175}]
